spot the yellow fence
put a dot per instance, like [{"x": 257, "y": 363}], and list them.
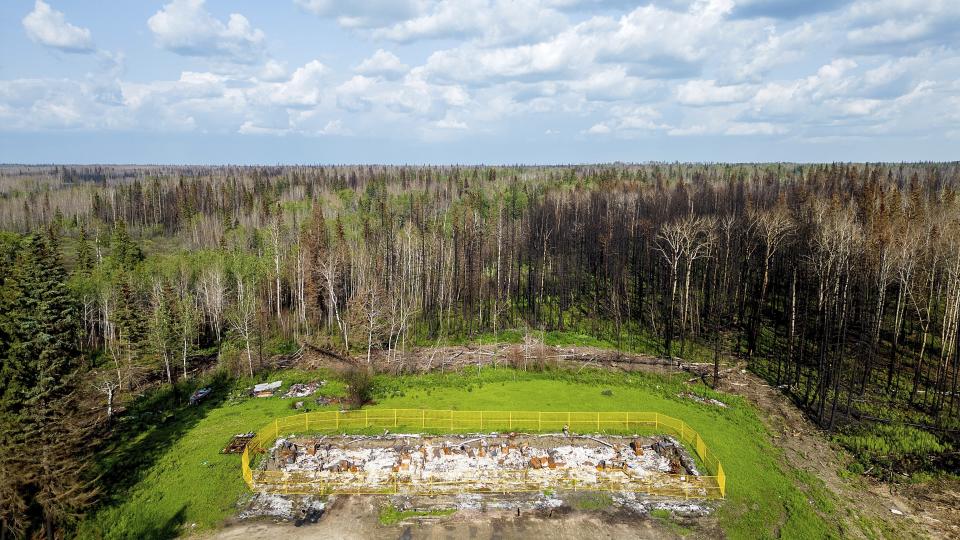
[{"x": 712, "y": 485}]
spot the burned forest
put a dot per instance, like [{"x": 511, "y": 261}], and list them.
[{"x": 838, "y": 284}]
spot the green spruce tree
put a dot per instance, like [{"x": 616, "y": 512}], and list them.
[{"x": 44, "y": 433}]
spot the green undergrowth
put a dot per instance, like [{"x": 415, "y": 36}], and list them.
[
  {"x": 593, "y": 501},
  {"x": 176, "y": 481},
  {"x": 637, "y": 341},
  {"x": 666, "y": 519},
  {"x": 391, "y": 515},
  {"x": 891, "y": 446}
]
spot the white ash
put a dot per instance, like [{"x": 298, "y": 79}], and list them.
[
  {"x": 282, "y": 507},
  {"x": 448, "y": 460},
  {"x": 642, "y": 506}
]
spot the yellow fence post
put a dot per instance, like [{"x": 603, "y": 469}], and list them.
[
  {"x": 423, "y": 418},
  {"x": 539, "y": 421},
  {"x": 336, "y": 420},
  {"x": 511, "y": 420},
  {"x": 394, "y": 418},
  {"x": 598, "y": 422},
  {"x": 366, "y": 418}
]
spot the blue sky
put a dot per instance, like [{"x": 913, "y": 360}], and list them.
[{"x": 478, "y": 81}]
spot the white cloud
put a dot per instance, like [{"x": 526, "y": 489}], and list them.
[
  {"x": 706, "y": 92},
  {"x": 449, "y": 122},
  {"x": 494, "y": 21},
  {"x": 902, "y": 25},
  {"x": 249, "y": 128},
  {"x": 334, "y": 127},
  {"x": 363, "y": 13},
  {"x": 273, "y": 71},
  {"x": 757, "y": 128},
  {"x": 185, "y": 27},
  {"x": 49, "y": 27},
  {"x": 304, "y": 89},
  {"x": 598, "y": 129},
  {"x": 629, "y": 120},
  {"x": 383, "y": 63},
  {"x": 557, "y": 68}
]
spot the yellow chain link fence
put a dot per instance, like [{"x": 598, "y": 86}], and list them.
[{"x": 712, "y": 485}]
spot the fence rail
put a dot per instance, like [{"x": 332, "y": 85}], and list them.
[{"x": 712, "y": 485}]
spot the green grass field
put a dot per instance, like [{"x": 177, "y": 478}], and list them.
[{"x": 170, "y": 478}]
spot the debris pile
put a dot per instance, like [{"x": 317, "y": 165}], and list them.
[
  {"x": 492, "y": 462},
  {"x": 237, "y": 443},
  {"x": 323, "y": 401},
  {"x": 701, "y": 399},
  {"x": 301, "y": 509},
  {"x": 266, "y": 389},
  {"x": 298, "y": 390},
  {"x": 199, "y": 395}
]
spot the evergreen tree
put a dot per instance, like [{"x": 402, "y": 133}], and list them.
[
  {"x": 126, "y": 252},
  {"x": 43, "y": 433},
  {"x": 84, "y": 253},
  {"x": 164, "y": 326},
  {"x": 131, "y": 323}
]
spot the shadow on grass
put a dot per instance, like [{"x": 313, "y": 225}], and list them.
[
  {"x": 164, "y": 530},
  {"x": 147, "y": 430}
]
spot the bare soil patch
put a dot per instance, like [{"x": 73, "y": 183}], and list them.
[{"x": 519, "y": 516}]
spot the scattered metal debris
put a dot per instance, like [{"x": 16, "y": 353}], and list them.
[
  {"x": 701, "y": 399},
  {"x": 266, "y": 389},
  {"x": 298, "y": 390},
  {"x": 237, "y": 443},
  {"x": 323, "y": 401},
  {"x": 199, "y": 395}
]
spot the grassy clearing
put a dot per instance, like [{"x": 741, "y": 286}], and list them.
[
  {"x": 177, "y": 480},
  {"x": 390, "y": 515},
  {"x": 164, "y": 473}
]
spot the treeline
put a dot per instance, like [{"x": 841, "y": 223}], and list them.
[
  {"x": 843, "y": 277},
  {"x": 839, "y": 282}
]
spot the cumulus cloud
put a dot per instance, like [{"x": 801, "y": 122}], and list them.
[
  {"x": 494, "y": 21},
  {"x": 899, "y": 26},
  {"x": 383, "y": 63},
  {"x": 588, "y": 70},
  {"x": 628, "y": 121},
  {"x": 363, "y": 13},
  {"x": 785, "y": 9},
  {"x": 185, "y": 27},
  {"x": 49, "y": 27},
  {"x": 707, "y": 92}
]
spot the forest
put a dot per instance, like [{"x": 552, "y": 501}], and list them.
[{"x": 837, "y": 283}]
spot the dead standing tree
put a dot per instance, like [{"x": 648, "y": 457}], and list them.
[
  {"x": 772, "y": 228},
  {"x": 670, "y": 246},
  {"x": 243, "y": 313}
]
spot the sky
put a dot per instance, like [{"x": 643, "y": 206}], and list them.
[{"x": 478, "y": 81}]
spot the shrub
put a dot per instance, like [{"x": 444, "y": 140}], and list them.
[{"x": 359, "y": 386}]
